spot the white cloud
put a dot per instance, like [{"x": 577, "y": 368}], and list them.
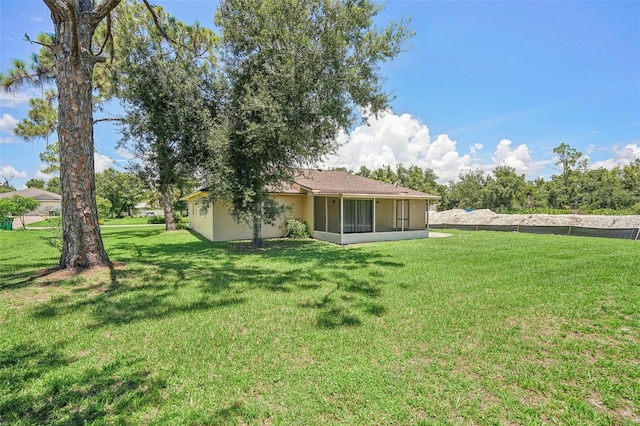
[
  {"x": 14, "y": 99},
  {"x": 7, "y": 123},
  {"x": 8, "y": 139},
  {"x": 475, "y": 148},
  {"x": 102, "y": 162},
  {"x": 518, "y": 158},
  {"x": 125, "y": 153},
  {"x": 446, "y": 161},
  {"x": 393, "y": 139},
  {"x": 10, "y": 171},
  {"x": 621, "y": 157},
  {"x": 41, "y": 175},
  {"x": 399, "y": 139}
]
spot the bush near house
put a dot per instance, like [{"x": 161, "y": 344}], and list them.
[{"x": 296, "y": 228}]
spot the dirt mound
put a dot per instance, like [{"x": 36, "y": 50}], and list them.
[{"x": 488, "y": 217}]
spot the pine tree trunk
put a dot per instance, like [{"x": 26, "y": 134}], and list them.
[
  {"x": 169, "y": 220},
  {"x": 82, "y": 245}
]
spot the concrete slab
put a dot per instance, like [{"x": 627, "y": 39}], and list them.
[{"x": 438, "y": 234}]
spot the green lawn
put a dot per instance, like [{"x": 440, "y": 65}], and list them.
[
  {"x": 117, "y": 221},
  {"x": 480, "y": 328}
]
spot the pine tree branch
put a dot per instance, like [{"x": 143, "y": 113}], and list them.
[
  {"x": 107, "y": 37},
  {"x": 105, "y": 120},
  {"x": 28, "y": 39},
  {"x": 102, "y": 10},
  {"x": 156, "y": 20}
]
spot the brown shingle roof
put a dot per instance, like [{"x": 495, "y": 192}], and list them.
[
  {"x": 38, "y": 194},
  {"x": 338, "y": 182}
]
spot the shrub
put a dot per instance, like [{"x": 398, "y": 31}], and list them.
[
  {"x": 159, "y": 220},
  {"x": 296, "y": 228},
  {"x": 155, "y": 220}
]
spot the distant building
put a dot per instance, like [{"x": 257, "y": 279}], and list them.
[{"x": 49, "y": 201}]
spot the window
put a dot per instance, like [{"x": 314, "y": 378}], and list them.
[
  {"x": 203, "y": 209},
  {"x": 358, "y": 216}
]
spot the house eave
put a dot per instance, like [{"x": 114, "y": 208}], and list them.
[
  {"x": 195, "y": 195},
  {"x": 405, "y": 196}
]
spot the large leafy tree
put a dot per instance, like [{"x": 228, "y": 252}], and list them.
[
  {"x": 35, "y": 183},
  {"x": 507, "y": 190},
  {"x": 170, "y": 100},
  {"x": 123, "y": 190},
  {"x": 385, "y": 174},
  {"x": 297, "y": 70},
  {"x": 563, "y": 188},
  {"x": 413, "y": 177},
  {"x": 631, "y": 180},
  {"x": 6, "y": 187},
  {"x": 53, "y": 185},
  {"x": 469, "y": 191}
]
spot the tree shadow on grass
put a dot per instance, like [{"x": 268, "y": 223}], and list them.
[
  {"x": 13, "y": 279},
  {"x": 165, "y": 278},
  {"x": 37, "y": 387}
]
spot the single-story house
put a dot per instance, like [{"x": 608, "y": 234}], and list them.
[
  {"x": 49, "y": 201},
  {"x": 336, "y": 206}
]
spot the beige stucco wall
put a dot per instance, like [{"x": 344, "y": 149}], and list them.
[
  {"x": 200, "y": 219},
  {"x": 224, "y": 227},
  {"x": 45, "y": 207},
  {"x": 218, "y": 224},
  {"x": 307, "y": 211},
  {"x": 295, "y": 202},
  {"x": 417, "y": 209}
]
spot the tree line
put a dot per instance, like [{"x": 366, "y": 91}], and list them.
[{"x": 576, "y": 188}]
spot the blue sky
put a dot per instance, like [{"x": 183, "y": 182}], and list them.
[{"x": 482, "y": 84}]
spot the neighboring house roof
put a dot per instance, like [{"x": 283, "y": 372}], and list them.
[
  {"x": 38, "y": 194},
  {"x": 334, "y": 182}
]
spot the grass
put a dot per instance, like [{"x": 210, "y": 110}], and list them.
[
  {"x": 480, "y": 328},
  {"x": 55, "y": 221}
]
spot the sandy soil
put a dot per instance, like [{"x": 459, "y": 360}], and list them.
[{"x": 488, "y": 217}]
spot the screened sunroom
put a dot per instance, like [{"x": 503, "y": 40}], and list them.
[{"x": 349, "y": 219}]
